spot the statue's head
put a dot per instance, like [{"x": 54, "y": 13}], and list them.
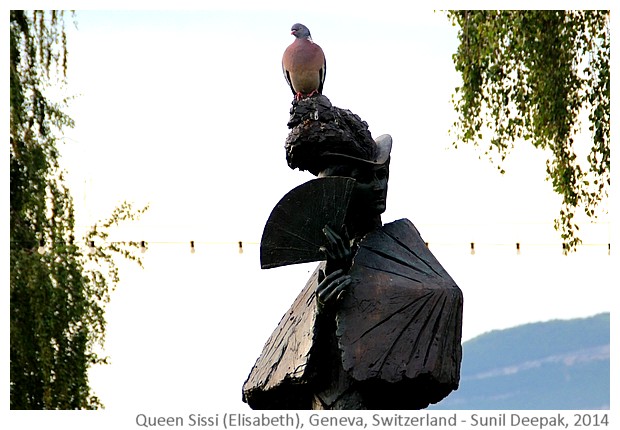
[
  {"x": 329, "y": 141},
  {"x": 371, "y": 173}
]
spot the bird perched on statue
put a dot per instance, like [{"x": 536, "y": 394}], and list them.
[{"x": 303, "y": 64}]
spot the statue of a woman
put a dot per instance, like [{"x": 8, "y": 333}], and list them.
[{"x": 378, "y": 325}]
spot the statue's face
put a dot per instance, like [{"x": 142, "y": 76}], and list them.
[
  {"x": 370, "y": 191},
  {"x": 371, "y": 185}
]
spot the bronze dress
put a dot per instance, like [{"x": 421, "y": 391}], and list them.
[{"x": 394, "y": 341}]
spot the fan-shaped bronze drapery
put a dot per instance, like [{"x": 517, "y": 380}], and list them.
[{"x": 401, "y": 320}]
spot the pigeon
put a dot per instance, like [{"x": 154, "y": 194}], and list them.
[{"x": 303, "y": 64}]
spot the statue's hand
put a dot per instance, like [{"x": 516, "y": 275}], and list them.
[
  {"x": 338, "y": 251},
  {"x": 331, "y": 287}
]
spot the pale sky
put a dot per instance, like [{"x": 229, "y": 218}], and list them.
[{"x": 187, "y": 111}]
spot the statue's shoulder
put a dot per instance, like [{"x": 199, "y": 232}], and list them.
[
  {"x": 400, "y": 231},
  {"x": 400, "y": 223}
]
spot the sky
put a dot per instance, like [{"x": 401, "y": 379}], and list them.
[{"x": 186, "y": 111}]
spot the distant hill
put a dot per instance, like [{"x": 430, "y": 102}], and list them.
[{"x": 560, "y": 364}]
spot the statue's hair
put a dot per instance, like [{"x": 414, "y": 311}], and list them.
[{"x": 320, "y": 132}]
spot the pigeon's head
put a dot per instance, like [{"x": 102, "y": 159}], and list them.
[{"x": 300, "y": 31}]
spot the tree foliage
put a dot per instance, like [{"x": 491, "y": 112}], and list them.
[
  {"x": 58, "y": 290},
  {"x": 532, "y": 75}
]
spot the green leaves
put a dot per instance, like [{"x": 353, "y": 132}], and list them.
[
  {"x": 528, "y": 75},
  {"x": 57, "y": 295}
]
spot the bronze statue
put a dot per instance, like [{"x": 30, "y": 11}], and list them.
[{"x": 378, "y": 325}]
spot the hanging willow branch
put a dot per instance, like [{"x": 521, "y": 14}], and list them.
[
  {"x": 529, "y": 75},
  {"x": 57, "y": 296}
]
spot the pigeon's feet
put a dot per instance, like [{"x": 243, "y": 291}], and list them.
[{"x": 299, "y": 95}]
